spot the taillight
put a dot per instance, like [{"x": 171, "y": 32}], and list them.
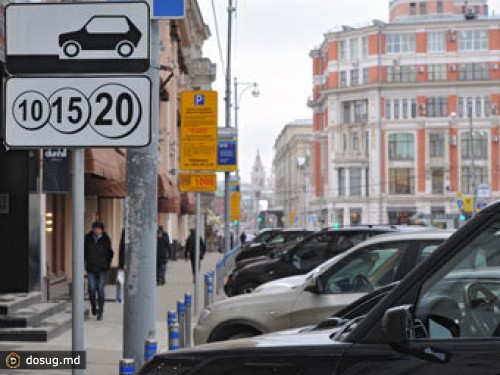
[{"x": 228, "y": 279}]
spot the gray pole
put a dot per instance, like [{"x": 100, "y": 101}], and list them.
[
  {"x": 227, "y": 175},
  {"x": 197, "y": 257},
  {"x": 381, "y": 148},
  {"x": 78, "y": 259},
  {"x": 472, "y": 160},
  {"x": 140, "y": 232}
]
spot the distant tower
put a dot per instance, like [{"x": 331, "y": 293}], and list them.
[{"x": 258, "y": 174}]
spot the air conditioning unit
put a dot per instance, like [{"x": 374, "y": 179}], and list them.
[
  {"x": 453, "y": 68},
  {"x": 495, "y": 138},
  {"x": 421, "y": 68},
  {"x": 453, "y": 140},
  {"x": 494, "y": 109},
  {"x": 494, "y": 66}
]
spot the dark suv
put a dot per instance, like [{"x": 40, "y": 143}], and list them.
[
  {"x": 301, "y": 258},
  {"x": 443, "y": 318}
]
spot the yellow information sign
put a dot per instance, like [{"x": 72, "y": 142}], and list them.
[
  {"x": 197, "y": 182},
  {"x": 198, "y": 131},
  {"x": 235, "y": 206},
  {"x": 468, "y": 204}
]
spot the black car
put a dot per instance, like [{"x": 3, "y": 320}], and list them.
[
  {"x": 443, "y": 318},
  {"x": 301, "y": 258},
  {"x": 275, "y": 240}
]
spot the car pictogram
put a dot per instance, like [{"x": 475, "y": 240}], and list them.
[{"x": 102, "y": 33}]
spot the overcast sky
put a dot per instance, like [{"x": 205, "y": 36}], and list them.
[{"x": 271, "y": 44}]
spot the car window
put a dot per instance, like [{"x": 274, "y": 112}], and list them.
[
  {"x": 106, "y": 25},
  {"x": 366, "y": 269},
  {"x": 278, "y": 239},
  {"x": 344, "y": 241},
  {"x": 427, "y": 249},
  {"x": 462, "y": 299},
  {"x": 311, "y": 252}
]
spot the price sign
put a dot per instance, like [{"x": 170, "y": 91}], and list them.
[
  {"x": 81, "y": 112},
  {"x": 197, "y": 182}
]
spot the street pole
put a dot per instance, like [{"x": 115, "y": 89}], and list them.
[
  {"x": 197, "y": 257},
  {"x": 473, "y": 161},
  {"x": 141, "y": 229},
  {"x": 78, "y": 258},
  {"x": 227, "y": 175}
]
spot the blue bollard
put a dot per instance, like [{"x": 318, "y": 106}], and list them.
[
  {"x": 171, "y": 317},
  {"x": 188, "y": 301},
  {"x": 150, "y": 349},
  {"x": 173, "y": 336},
  {"x": 181, "y": 313},
  {"x": 127, "y": 366}
]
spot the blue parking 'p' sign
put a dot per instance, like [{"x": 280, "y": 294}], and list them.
[{"x": 199, "y": 99}]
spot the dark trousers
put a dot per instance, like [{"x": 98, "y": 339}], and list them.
[
  {"x": 192, "y": 265},
  {"x": 97, "y": 280},
  {"x": 161, "y": 270}
]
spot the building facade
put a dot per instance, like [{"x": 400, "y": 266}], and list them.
[
  {"x": 291, "y": 165},
  {"x": 406, "y": 113}
]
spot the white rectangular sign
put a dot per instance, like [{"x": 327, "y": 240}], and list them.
[
  {"x": 77, "y": 38},
  {"x": 111, "y": 111}
]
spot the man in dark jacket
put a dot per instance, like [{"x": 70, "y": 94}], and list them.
[
  {"x": 190, "y": 248},
  {"x": 98, "y": 255},
  {"x": 162, "y": 253}
]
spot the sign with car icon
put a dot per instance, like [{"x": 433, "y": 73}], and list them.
[{"x": 77, "y": 38}]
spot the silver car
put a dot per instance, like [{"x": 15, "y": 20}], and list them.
[{"x": 306, "y": 299}]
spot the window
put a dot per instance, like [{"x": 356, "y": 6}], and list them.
[
  {"x": 106, "y": 25},
  {"x": 366, "y": 76},
  {"x": 355, "y": 142},
  {"x": 436, "y": 41},
  {"x": 354, "y": 48},
  {"x": 367, "y": 142},
  {"x": 459, "y": 300},
  {"x": 344, "y": 146},
  {"x": 367, "y": 182},
  {"x": 342, "y": 50},
  {"x": 401, "y": 181},
  {"x": 423, "y": 8},
  {"x": 364, "y": 46},
  {"x": 341, "y": 172},
  {"x": 405, "y": 108},
  {"x": 388, "y": 109},
  {"x": 355, "y": 181},
  {"x": 487, "y": 106},
  {"x": 413, "y": 108},
  {"x": 396, "y": 109},
  {"x": 398, "y": 73},
  {"x": 436, "y": 145},
  {"x": 401, "y": 146},
  {"x": 473, "y": 71},
  {"x": 473, "y": 40},
  {"x": 347, "y": 112},
  {"x": 481, "y": 176},
  {"x": 355, "y": 215},
  {"x": 437, "y": 177},
  {"x": 413, "y": 9},
  {"x": 343, "y": 79},
  {"x": 400, "y": 43},
  {"x": 440, "y": 6},
  {"x": 360, "y": 110},
  {"x": 354, "y": 77},
  {"x": 479, "y": 145},
  {"x": 436, "y": 72},
  {"x": 437, "y": 107},
  {"x": 478, "y": 106}
]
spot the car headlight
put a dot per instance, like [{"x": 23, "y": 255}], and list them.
[{"x": 204, "y": 315}]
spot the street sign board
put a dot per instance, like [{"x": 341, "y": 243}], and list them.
[
  {"x": 198, "y": 131},
  {"x": 110, "y": 111},
  {"x": 483, "y": 191},
  {"x": 235, "y": 206},
  {"x": 468, "y": 204},
  {"x": 169, "y": 9},
  {"x": 460, "y": 204},
  {"x": 77, "y": 38},
  {"x": 227, "y": 150},
  {"x": 197, "y": 182}
]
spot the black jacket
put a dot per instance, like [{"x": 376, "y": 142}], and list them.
[
  {"x": 162, "y": 252},
  {"x": 98, "y": 254},
  {"x": 190, "y": 247}
]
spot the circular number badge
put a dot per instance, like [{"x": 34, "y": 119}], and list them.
[
  {"x": 116, "y": 111},
  {"x": 31, "y": 110},
  {"x": 70, "y": 110}
]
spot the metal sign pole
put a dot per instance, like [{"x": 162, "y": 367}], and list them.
[
  {"x": 197, "y": 257},
  {"x": 78, "y": 258}
]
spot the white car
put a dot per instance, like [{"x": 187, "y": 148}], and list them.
[{"x": 307, "y": 299}]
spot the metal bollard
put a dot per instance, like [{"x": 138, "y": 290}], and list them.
[
  {"x": 205, "y": 300},
  {"x": 213, "y": 284},
  {"x": 150, "y": 349},
  {"x": 173, "y": 336},
  {"x": 187, "y": 329},
  {"x": 210, "y": 289},
  {"x": 127, "y": 366},
  {"x": 181, "y": 313},
  {"x": 171, "y": 317}
]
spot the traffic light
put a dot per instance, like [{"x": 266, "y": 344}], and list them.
[
  {"x": 259, "y": 219},
  {"x": 235, "y": 222},
  {"x": 336, "y": 226},
  {"x": 462, "y": 218}
]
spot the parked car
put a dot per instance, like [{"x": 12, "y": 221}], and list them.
[
  {"x": 417, "y": 329},
  {"x": 306, "y": 299},
  {"x": 302, "y": 258},
  {"x": 277, "y": 239}
]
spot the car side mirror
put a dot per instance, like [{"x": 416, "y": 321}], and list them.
[
  {"x": 332, "y": 322},
  {"x": 397, "y": 325},
  {"x": 315, "y": 285}
]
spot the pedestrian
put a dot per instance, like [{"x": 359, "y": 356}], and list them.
[
  {"x": 161, "y": 257},
  {"x": 243, "y": 237},
  {"x": 98, "y": 255},
  {"x": 166, "y": 240},
  {"x": 190, "y": 248}
]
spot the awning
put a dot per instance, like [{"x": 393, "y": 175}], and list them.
[
  {"x": 168, "y": 195},
  {"x": 188, "y": 204},
  {"x": 105, "y": 173}
]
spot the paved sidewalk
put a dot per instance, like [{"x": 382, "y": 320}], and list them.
[{"x": 103, "y": 340}]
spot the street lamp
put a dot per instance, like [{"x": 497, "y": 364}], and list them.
[{"x": 237, "y": 100}]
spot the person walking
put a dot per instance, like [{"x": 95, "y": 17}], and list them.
[
  {"x": 98, "y": 255},
  {"x": 166, "y": 240},
  {"x": 190, "y": 248},
  {"x": 161, "y": 257},
  {"x": 243, "y": 238}
]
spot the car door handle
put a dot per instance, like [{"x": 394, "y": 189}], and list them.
[{"x": 435, "y": 355}]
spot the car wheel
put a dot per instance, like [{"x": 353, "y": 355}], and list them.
[
  {"x": 233, "y": 333},
  {"x": 71, "y": 49},
  {"x": 125, "y": 49},
  {"x": 247, "y": 288}
]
